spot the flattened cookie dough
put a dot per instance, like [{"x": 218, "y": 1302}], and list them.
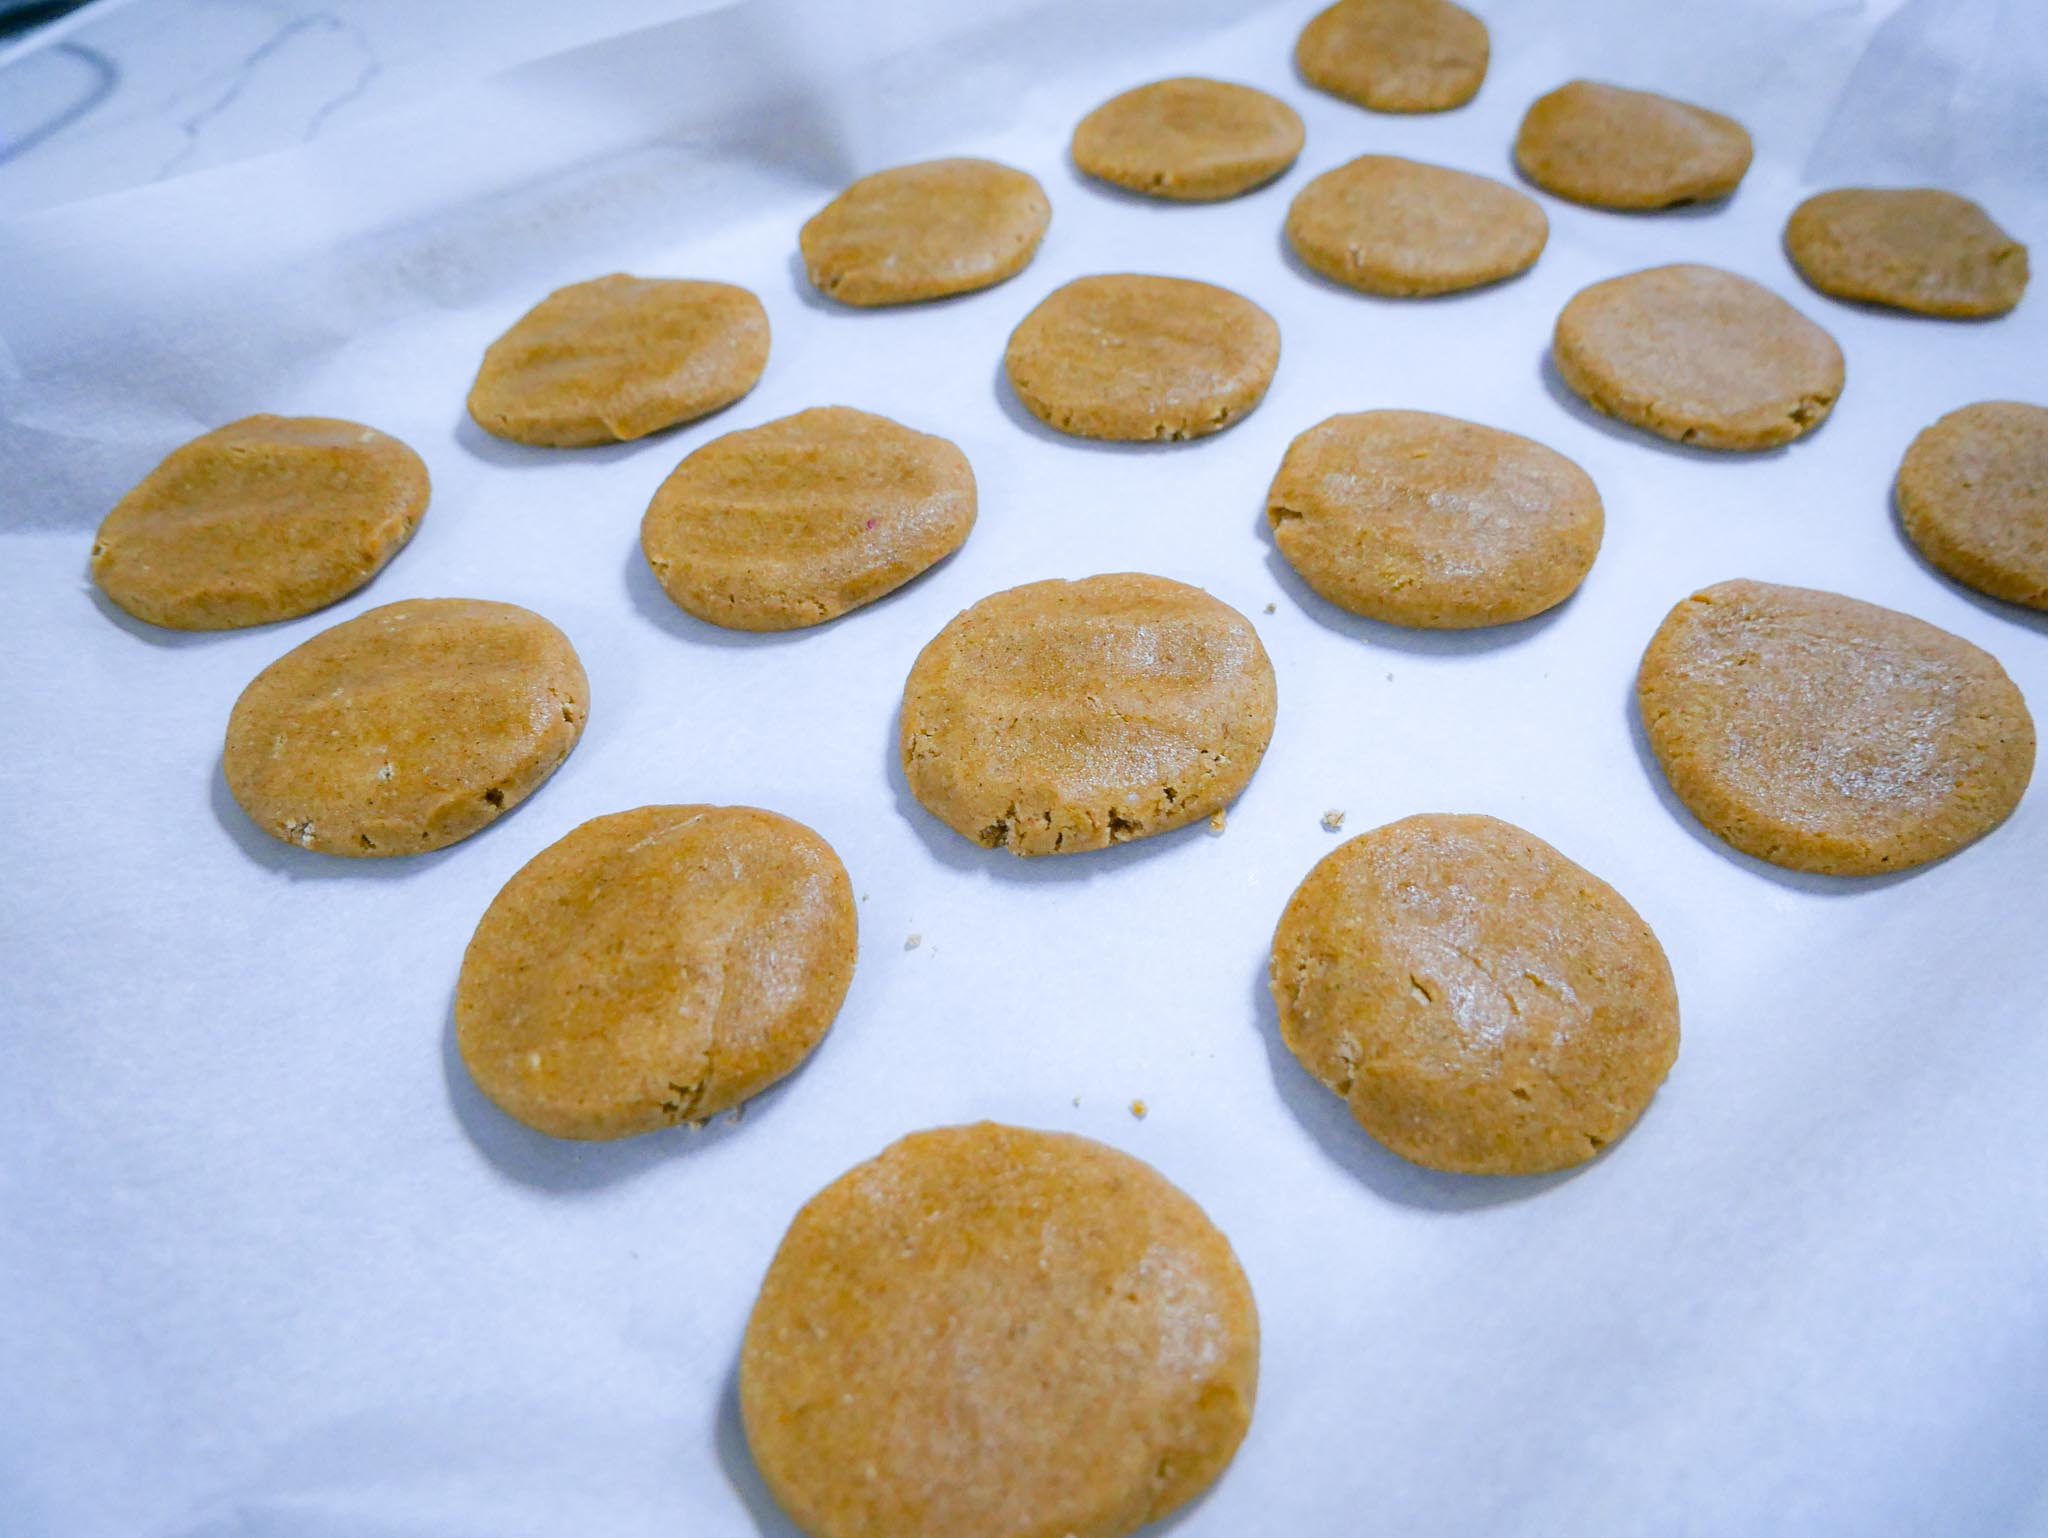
[
  {"x": 1481, "y": 1003},
  {"x": 1138, "y": 359},
  {"x": 1700, "y": 356},
  {"x": 1401, "y": 228},
  {"x": 1912, "y": 248},
  {"x": 997, "y": 1332},
  {"x": 1395, "y": 55},
  {"x": 406, "y": 728},
  {"x": 1615, "y": 148},
  {"x": 1425, "y": 520},
  {"x": 264, "y": 519},
  {"x": 618, "y": 358},
  {"x": 1828, "y": 735},
  {"x": 655, "y": 966},
  {"x": 1062, "y": 716},
  {"x": 925, "y": 231},
  {"x": 1189, "y": 139},
  {"x": 1973, "y": 495},
  {"x": 798, "y": 521}
]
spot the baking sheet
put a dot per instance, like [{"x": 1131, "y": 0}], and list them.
[{"x": 270, "y": 1266}]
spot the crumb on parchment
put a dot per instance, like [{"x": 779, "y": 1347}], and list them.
[
  {"x": 1217, "y": 821},
  {"x": 1139, "y": 1108},
  {"x": 912, "y": 941},
  {"x": 1270, "y": 608},
  {"x": 1333, "y": 820}
]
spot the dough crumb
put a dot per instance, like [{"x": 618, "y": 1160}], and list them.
[
  {"x": 1217, "y": 820},
  {"x": 1270, "y": 608},
  {"x": 913, "y": 941},
  {"x": 1332, "y": 820},
  {"x": 1138, "y": 1109},
  {"x": 1077, "y": 1102}
]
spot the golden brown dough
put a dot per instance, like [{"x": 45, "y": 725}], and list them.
[
  {"x": 925, "y": 231},
  {"x": 1395, "y": 55},
  {"x": 1189, "y": 139},
  {"x": 1401, "y": 228},
  {"x": 1912, "y": 248},
  {"x": 1973, "y": 495},
  {"x": 1610, "y": 147},
  {"x": 988, "y": 1332}
]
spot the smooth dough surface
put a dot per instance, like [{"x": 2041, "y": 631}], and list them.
[
  {"x": 1829, "y": 735},
  {"x": 1001, "y": 1333},
  {"x": 1481, "y": 1003},
  {"x": 618, "y": 358},
  {"x": 406, "y": 728},
  {"x": 1611, "y": 147},
  {"x": 795, "y": 522},
  {"x": 264, "y": 519},
  {"x": 1427, "y": 520},
  {"x": 1402, "y": 228},
  {"x": 654, "y": 967},
  {"x": 1700, "y": 356},
  {"x": 1973, "y": 495},
  {"x": 1395, "y": 55},
  {"x": 1140, "y": 358},
  {"x": 925, "y": 231},
  {"x": 1190, "y": 139},
  {"x": 1912, "y": 248},
  {"x": 1062, "y": 716}
]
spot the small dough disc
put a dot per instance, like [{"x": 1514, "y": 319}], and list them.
[
  {"x": 1482, "y": 1004},
  {"x": 1137, "y": 358},
  {"x": 1973, "y": 495},
  {"x": 1395, "y": 55},
  {"x": 1424, "y": 520},
  {"x": 1402, "y": 228},
  {"x": 796, "y": 522},
  {"x": 1913, "y": 248},
  {"x": 1000, "y": 1333},
  {"x": 1062, "y": 716},
  {"x": 1700, "y": 356},
  {"x": 265, "y": 519},
  {"x": 1189, "y": 139},
  {"x": 1825, "y": 734},
  {"x": 618, "y": 358},
  {"x": 654, "y": 967},
  {"x": 406, "y": 728},
  {"x": 925, "y": 231},
  {"x": 1615, "y": 148}
]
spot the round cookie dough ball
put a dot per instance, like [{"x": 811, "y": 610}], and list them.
[
  {"x": 1401, "y": 228},
  {"x": 798, "y": 521},
  {"x": 1138, "y": 359},
  {"x": 1481, "y": 1003},
  {"x": 1827, "y": 735},
  {"x": 925, "y": 231},
  {"x": 265, "y": 519},
  {"x": 618, "y": 358},
  {"x": 407, "y": 728},
  {"x": 1189, "y": 139},
  {"x": 1062, "y": 716},
  {"x": 654, "y": 967},
  {"x": 1615, "y": 148},
  {"x": 1912, "y": 248},
  {"x": 1395, "y": 55},
  {"x": 1973, "y": 495},
  {"x": 997, "y": 1332},
  {"x": 1424, "y": 520},
  {"x": 1699, "y": 356}
]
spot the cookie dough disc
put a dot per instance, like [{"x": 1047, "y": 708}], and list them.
[
  {"x": 1402, "y": 228},
  {"x": 1063, "y": 716},
  {"x": 1425, "y": 520},
  {"x": 1189, "y": 139},
  {"x": 1482, "y": 1004},
  {"x": 406, "y": 728},
  {"x": 1138, "y": 358},
  {"x": 655, "y": 966},
  {"x": 1828, "y": 735},
  {"x": 1973, "y": 495},
  {"x": 1913, "y": 248},
  {"x": 925, "y": 231},
  {"x": 997, "y": 1332},
  {"x": 1616, "y": 148},
  {"x": 618, "y": 358},
  {"x": 1395, "y": 55},
  {"x": 1698, "y": 355},
  {"x": 798, "y": 521},
  {"x": 265, "y": 519}
]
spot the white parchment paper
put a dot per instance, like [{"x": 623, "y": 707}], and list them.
[{"x": 270, "y": 1267}]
